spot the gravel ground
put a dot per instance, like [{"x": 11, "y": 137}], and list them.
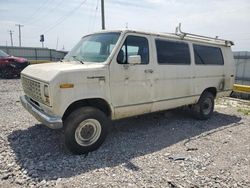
[{"x": 167, "y": 149}]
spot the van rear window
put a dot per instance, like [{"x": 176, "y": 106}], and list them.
[
  {"x": 172, "y": 52},
  {"x": 207, "y": 55}
]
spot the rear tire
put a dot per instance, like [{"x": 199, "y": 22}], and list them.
[
  {"x": 205, "y": 106},
  {"x": 85, "y": 130}
]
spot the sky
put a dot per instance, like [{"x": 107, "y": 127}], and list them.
[{"x": 64, "y": 22}]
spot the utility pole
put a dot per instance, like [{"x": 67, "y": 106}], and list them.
[
  {"x": 57, "y": 42},
  {"x": 103, "y": 15},
  {"x": 126, "y": 25},
  {"x": 20, "y": 38},
  {"x": 11, "y": 39}
]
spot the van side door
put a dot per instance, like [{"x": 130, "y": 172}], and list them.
[
  {"x": 174, "y": 74},
  {"x": 131, "y": 85}
]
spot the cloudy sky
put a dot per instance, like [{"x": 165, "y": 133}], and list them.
[{"x": 64, "y": 22}]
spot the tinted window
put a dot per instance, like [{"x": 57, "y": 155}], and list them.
[
  {"x": 207, "y": 55},
  {"x": 169, "y": 52},
  {"x": 134, "y": 45}
]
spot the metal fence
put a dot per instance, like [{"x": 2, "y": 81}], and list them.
[
  {"x": 37, "y": 54},
  {"x": 242, "y": 62}
]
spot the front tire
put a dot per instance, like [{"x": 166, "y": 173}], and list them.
[
  {"x": 205, "y": 106},
  {"x": 85, "y": 130},
  {"x": 7, "y": 73}
]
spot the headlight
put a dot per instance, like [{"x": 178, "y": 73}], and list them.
[{"x": 46, "y": 91}]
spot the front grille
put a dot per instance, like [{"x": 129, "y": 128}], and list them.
[{"x": 32, "y": 89}]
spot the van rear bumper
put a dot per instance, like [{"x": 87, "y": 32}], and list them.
[{"x": 53, "y": 122}]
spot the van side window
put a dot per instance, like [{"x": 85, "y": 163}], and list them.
[
  {"x": 207, "y": 55},
  {"x": 134, "y": 45},
  {"x": 172, "y": 52}
]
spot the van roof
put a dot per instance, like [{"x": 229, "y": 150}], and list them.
[{"x": 186, "y": 36}]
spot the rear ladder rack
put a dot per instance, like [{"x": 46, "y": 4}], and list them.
[{"x": 182, "y": 35}]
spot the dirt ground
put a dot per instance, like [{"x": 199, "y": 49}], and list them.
[{"x": 166, "y": 149}]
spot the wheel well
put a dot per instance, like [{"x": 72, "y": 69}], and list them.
[
  {"x": 212, "y": 90},
  {"x": 99, "y": 103}
]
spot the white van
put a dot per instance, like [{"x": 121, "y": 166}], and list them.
[{"x": 111, "y": 75}]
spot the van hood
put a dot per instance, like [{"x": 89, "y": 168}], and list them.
[{"x": 47, "y": 71}]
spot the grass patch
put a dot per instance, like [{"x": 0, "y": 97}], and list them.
[{"x": 244, "y": 111}]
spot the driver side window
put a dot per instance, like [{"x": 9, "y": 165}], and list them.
[{"x": 134, "y": 45}]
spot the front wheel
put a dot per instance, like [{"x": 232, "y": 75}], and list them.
[
  {"x": 205, "y": 106},
  {"x": 85, "y": 130},
  {"x": 7, "y": 73}
]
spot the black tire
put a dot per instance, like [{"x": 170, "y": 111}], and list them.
[
  {"x": 6, "y": 73},
  {"x": 205, "y": 106},
  {"x": 85, "y": 130}
]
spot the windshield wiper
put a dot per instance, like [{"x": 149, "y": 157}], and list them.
[{"x": 75, "y": 58}]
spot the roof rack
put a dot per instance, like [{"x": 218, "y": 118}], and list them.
[{"x": 182, "y": 35}]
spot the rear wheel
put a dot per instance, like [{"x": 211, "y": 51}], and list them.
[
  {"x": 205, "y": 106},
  {"x": 85, "y": 130}
]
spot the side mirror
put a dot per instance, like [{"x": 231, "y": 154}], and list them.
[{"x": 134, "y": 59}]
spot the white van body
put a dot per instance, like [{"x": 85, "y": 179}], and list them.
[{"x": 120, "y": 90}]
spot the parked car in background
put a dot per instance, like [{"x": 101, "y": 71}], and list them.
[{"x": 10, "y": 66}]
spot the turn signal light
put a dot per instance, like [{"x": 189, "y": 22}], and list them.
[{"x": 66, "y": 85}]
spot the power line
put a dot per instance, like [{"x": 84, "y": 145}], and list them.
[
  {"x": 91, "y": 16},
  {"x": 38, "y": 11},
  {"x": 58, "y": 21},
  {"x": 63, "y": 18},
  {"x": 97, "y": 4},
  {"x": 51, "y": 10}
]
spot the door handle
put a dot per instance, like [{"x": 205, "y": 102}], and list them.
[
  {"x": 96, "y": 77},
  {"x": 148, "y": 71}
]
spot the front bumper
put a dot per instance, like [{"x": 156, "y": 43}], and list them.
[{"x": 53, "y": 122}]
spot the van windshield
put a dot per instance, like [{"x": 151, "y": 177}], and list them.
[{"x": 93, "y": 48}]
